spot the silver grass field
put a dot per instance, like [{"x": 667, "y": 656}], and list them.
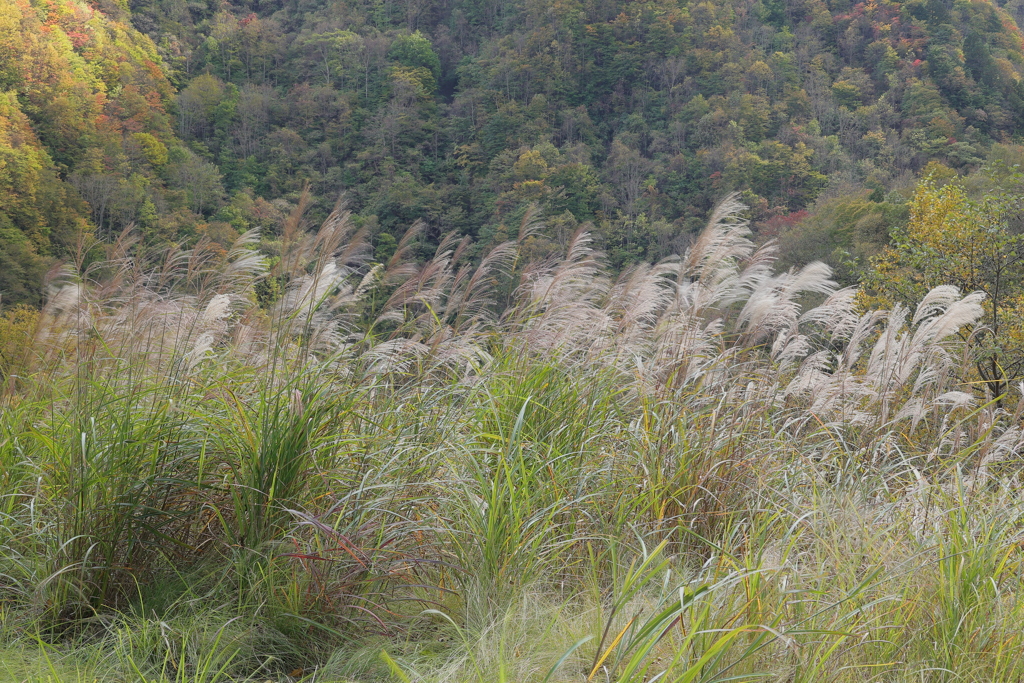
[{"x": 700, "y": 470}]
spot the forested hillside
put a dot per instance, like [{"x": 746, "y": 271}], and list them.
[
  {"x": 83, "y": 133},
  {"x": 208, "y": 118}
]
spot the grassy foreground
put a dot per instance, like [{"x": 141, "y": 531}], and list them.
[{"x": 686, "y": 474}]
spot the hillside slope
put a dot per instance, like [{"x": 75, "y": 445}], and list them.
[
  {"x": 636, "y": 116},
  {"x": 84, "y": 133}
]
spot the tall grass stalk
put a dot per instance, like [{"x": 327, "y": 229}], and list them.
[{"x": 456, "y": 471}]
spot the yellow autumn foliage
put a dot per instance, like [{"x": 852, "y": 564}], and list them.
[{"x": 952, "y": 239}]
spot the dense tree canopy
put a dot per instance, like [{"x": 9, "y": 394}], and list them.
[{"x": 204, "y": 119}]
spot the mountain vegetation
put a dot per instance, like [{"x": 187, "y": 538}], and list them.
[
  {"x": 511, "y": 340},
  {"x": 207, "y": 119}
]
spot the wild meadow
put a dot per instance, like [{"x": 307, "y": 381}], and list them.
[{"x": 217, "y": 467}]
